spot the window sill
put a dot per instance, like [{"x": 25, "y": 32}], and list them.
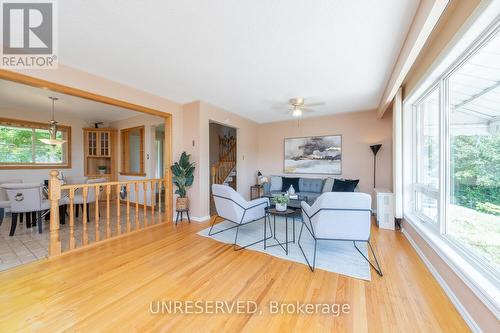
[
  {"x": 34, "y": 166},
  {"x": 484, "y": 287}
]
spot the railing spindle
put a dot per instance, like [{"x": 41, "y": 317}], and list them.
[
  {"x": 136, "y": 188},
  {"x": 85, "y": 236},
  {"x": 108, "y": 226},
  {"x": 96, "y": 212},
  {"x": 159, "y": 200},
  {"x": 54, "y": 196},
  {"x": 71, "y": 219},
  {"x": 153, "y": 199},
  {"x": 118, "y": 211},
  {"x": 128, "y": 207},
  {"x": 145, "y": 195}
]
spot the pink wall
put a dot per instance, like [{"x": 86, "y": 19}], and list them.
[
  {"x": 197, "y": 117},
  {"x": 359, "y": 130}
]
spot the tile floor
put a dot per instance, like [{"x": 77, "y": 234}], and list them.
[{"x": 28, "y": 245}]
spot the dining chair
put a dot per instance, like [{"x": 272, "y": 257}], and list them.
[
  {"x": 4, "y": 199},
  {"x": 26, "y": 198},
  {"x": 91, "y": 196},
  {"x": 77, "y": 180}
]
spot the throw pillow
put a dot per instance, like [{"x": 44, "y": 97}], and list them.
[
  {"x": 287, "y": 181},
  {"x": 312, "y": 185},
  {"x": 327, "y": 187},
  {"x": 345, "y": 185},
  {"x": 276, "y": 183}
]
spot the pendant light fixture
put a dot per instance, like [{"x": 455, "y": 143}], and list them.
[{"x": 53, "y": 129}]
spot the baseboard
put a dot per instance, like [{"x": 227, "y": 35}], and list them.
[
  {"x": 451, "y": 295},
  {"x": 200, "y": 219},
  {"x": 193, "y": 218}
]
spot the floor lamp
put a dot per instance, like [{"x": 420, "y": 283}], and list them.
[{"x": 375, "y": 149}]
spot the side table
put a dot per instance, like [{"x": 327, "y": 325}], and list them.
[
  {"x": 256, "y": 191},
  {"x": 289, "y": 213}
]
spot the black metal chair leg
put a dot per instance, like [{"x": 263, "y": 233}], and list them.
[
  {"x": 77, "y": 208},
  {"x": 377, "y": 269},
  {"x": 21, "y": 217},
  {"x": 313, "y": 266},
  {"x": 13, "y": 224},
  {"x": 2, "y": 215},
  {"x": 88, "y": 213}
]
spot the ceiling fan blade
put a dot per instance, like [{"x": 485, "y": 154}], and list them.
[
  {"x": 314, "y": 104},
  {"x": 307, "y": 110}
]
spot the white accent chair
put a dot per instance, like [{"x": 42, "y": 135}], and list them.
[
  {"x": 4, "y": 199},
  {"x": 232, "y": 207},
  {"x": 339, "y": 216},
  {"x": 25, "y": 198}
]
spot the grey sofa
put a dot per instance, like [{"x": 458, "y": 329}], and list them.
[{"x": 310, "y": 187}]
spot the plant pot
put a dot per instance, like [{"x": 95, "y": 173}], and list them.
[
  {"x": 280, "y": 207},
  {"x": 181, "y": 204}
]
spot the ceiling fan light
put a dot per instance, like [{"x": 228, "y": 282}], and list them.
[
  {"x": 297, "y": 112},
  {"x": 53, "y": 142}
]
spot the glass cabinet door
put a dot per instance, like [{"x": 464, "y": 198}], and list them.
[
  {"x": 92, "y": 143},
  {"x": 104, "y": 144}
]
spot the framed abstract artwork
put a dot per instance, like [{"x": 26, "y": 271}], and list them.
[{"x": 313, "y": 155}]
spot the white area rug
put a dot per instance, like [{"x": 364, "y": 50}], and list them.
[{"x": 333, "y": 256}]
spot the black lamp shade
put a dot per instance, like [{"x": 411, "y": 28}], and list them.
[{"x": 375, "y": 148}]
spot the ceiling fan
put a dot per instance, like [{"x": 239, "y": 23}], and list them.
[{"x": 297, "y": 106}]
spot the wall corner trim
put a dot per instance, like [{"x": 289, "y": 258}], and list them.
[{"x": 451, "y": 295}]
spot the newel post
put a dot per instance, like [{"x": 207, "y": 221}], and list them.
[{"x": 54, "y": 197}]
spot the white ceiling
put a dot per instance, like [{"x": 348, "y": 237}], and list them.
[
  {"x": 20, "y": 97},
  {"x": 244, "y": 56}
]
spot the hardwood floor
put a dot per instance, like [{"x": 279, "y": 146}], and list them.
[{"x": 111, "y": 286}]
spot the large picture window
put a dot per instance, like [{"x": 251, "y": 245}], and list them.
[
  {"x": 456, "y": 155},
  {"x": 20, "y": 145}
]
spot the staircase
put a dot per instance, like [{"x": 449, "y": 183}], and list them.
[{"x": 224, "y": 171}]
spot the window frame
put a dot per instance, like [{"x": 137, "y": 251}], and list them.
[
  {"x": 439, "y": 229},
  {"x": 18, "y": 123},
  {"x": 416, "y": 186}
]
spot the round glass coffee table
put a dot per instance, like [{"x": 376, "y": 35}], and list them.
[{"x": 287, "y": 214}]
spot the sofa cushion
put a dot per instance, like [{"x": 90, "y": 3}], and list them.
[
  {"x": 345, "y": 185},
  {"x": 311, "y": 196},
  {"x": 276, "y": 183},
  {"x": 314, "y": 185},
  {"x": 287, "y": 181},
  {"x": 328, "y": 185}
]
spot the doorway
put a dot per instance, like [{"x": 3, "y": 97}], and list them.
[{"x": 223, "y": 157}]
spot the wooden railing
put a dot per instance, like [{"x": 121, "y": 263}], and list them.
[
  {"x": 227, "y": 160},
  {"x": 227, "y": 149},
  {"x": 105, "y": 195}
]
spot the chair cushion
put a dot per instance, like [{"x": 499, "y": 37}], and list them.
[
  {"x": 287, "y": 181},
  {"x": 345, "y": 185},
  {"x": 276, "y": 183},
  {"x": 328, "y": 185},
  {"x": 314, "y": 185}
]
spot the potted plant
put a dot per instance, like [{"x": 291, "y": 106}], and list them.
[
  {"x": 281, "y": 201},
  {"x": 102, "y": 169},
  {"x": 183, "y": 177}
]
